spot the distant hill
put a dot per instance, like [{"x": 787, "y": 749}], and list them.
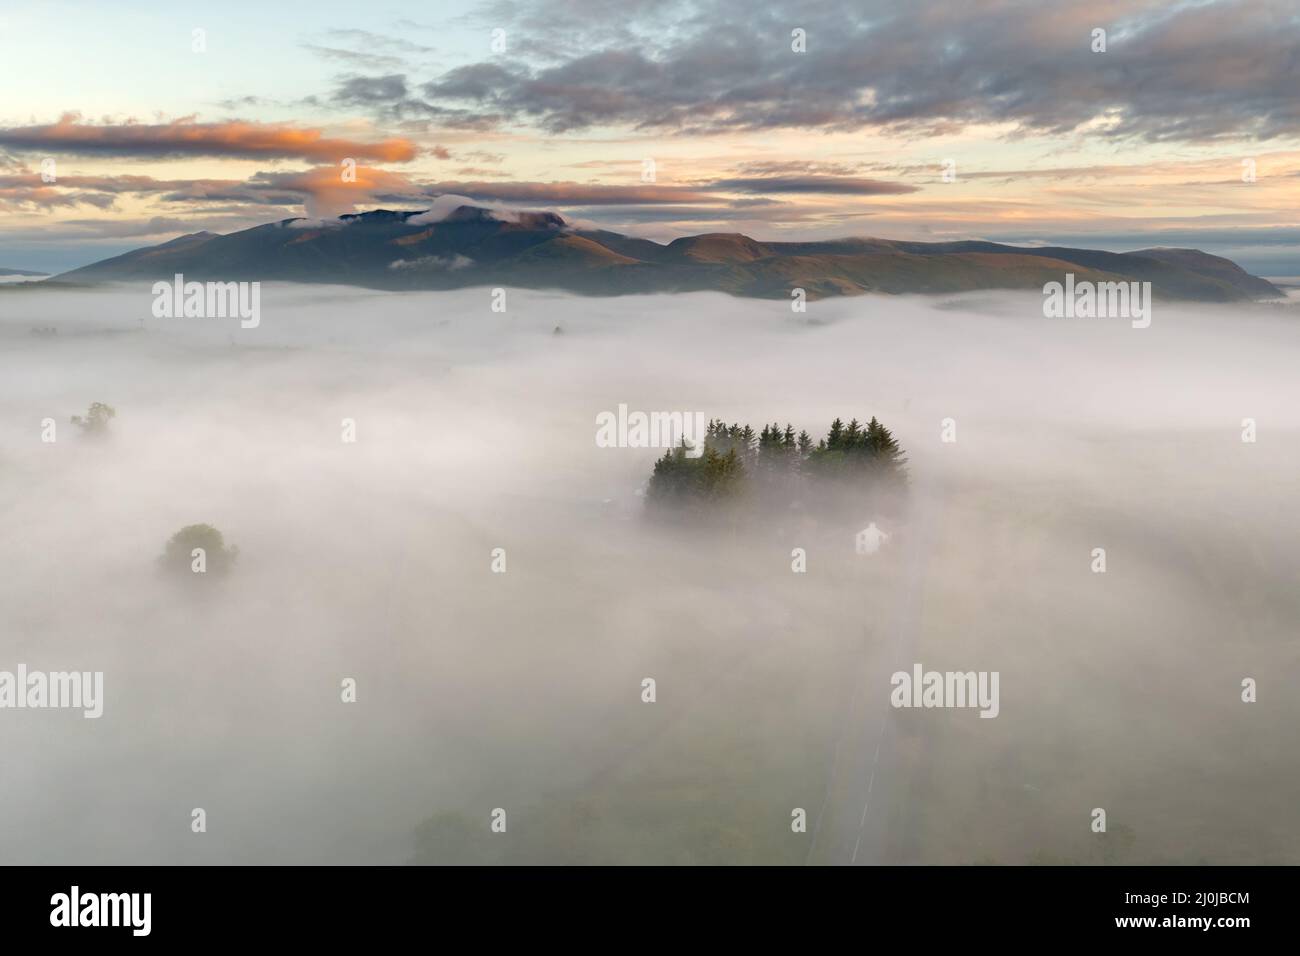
[
  {"x": 22, "y": 272},
  {"x": 472, "y": 246}
]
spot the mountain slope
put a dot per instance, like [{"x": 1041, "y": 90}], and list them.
[{"x": 473, "y": 246}]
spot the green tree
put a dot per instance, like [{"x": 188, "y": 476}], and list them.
[
  {"x": 721, "y": 476},
  {"x": 835, "y": 437},
  {"x": 96, "y": 419},
  {"x": 766, "y": 468},
  {"x": 179, "y": 556},
  {"x": 886, "y": 455},
  {"x": 696, "y": 484}
]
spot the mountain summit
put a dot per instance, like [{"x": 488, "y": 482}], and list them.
[{"x": 470, "y": 245}]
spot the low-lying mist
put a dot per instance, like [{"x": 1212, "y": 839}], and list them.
[{"x": 373, "y": 560}]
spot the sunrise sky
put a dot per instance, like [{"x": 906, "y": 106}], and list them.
[{"x": 1143, "y": 144}]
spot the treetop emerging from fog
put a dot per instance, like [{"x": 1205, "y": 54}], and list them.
[{"x": 776, "y": 465}]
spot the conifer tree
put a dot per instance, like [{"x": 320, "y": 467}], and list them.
[
  {"x": 853, "y": 459},
  {"x": 748, "y": 441},
  {"x": 853, "y": 435},
  {"x": 835, "y": 436},
  {"x": 886, "y": 454}
]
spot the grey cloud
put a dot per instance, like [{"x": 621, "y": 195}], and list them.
[
  {"x": 362, "y": 48},
  {"x": 390, "y": 97},
  {"x": 378, "y": 41},
  {"x": 805, "y": 166},
  {"x": 245, "y": 102},
  {"x": 834, "y": 185},
  {"x": 352, "y": 57},
  {"x": 1182, "y": 73},
  {"x": 561, "y": 192},
  {"x": 371, "y": 90},
  {"x": 119, "y": 229}
]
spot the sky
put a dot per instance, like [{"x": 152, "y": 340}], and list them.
[{"x": 128, "y": 125}]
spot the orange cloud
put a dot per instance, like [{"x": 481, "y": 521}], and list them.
[
  {"x": 185, "y": 137},
  {"x": 326, "y": 192}
]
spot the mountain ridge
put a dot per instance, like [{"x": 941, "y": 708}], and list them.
[{"x": 472, "y": 245}]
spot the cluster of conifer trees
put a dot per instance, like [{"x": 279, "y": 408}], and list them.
[{"x": 777, "y": 463}]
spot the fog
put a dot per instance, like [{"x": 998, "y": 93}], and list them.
[{"x": 475, "y": 690}]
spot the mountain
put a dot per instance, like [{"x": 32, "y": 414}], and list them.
[
  {"x": 472, "y": 246},
  {"x": 22, "y": 272}
]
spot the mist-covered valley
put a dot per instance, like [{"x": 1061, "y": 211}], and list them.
[{"x": 476, "y": 690}]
